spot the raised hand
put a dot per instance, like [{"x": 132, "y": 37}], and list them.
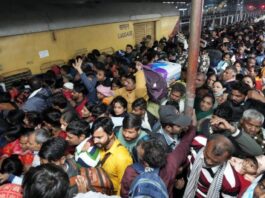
[
  {"x": 77, "y": 65},
  {"x": 221, "y": 123}
]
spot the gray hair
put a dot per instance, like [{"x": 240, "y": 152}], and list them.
[
  {"x": 253, "y": 114},
  {"x": 41, "y": 136}
]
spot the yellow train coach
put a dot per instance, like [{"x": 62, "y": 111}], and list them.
[{"x": 32, "y": 38}]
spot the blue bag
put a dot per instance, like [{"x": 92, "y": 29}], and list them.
[{"x": 148, "y": 183}]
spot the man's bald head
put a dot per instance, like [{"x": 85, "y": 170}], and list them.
[{"x": 218, "y": 150}]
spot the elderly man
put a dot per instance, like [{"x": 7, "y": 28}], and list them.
[
  {"x": 251, "y": 123},
  {"x": 211, "y": 175}
]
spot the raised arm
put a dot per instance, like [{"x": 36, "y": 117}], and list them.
[{"x": 90, "y": 83}]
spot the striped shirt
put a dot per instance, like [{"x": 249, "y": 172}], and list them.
[{"x": 231, "y": 183}]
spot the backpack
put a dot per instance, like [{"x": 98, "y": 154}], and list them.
[
  {"x": 156, "y": 85},
  {"x": 97, "y": 179},
  {"x": 147, "y": 183}
]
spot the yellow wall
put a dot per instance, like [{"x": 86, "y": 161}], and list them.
[{"x": 22, "y": 51}]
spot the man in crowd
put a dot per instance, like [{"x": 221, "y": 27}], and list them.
[
  {"x": 173, "y": 125},
  {"x": 168, "y": 172},
  {"x": 149, "y": 121},
  {"x": 54, "y": 182},
  {"x": 176, "y": 96},
  {"x": 114, "y": 156},
  {"x": 211, "y": 175}
]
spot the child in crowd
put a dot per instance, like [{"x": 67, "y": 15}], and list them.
[
  {"x": 118, "y": 110},
  {"x": 247, "y": 170},
  {"x": 103, "y": 93},
  {"x": 68, "y": 88}
]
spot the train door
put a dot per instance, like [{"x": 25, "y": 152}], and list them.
[{"x": 141, "y": 30}]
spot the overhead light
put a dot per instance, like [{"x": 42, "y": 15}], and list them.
[{"x": 183, "y": 9}]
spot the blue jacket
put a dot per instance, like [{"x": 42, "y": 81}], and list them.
[
  {"x": 39, "y": 102},
  {"x": 90, "y": 85}
]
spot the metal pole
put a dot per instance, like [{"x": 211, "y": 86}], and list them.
[{"x": 194, "y": 48}]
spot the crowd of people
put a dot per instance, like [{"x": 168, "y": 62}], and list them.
[{"x": 90, "y": 128}]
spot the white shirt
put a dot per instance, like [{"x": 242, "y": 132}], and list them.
[
  {"x": 145, "y": 123},
  {"x": 36, "y": 159},
  {"x": 34, "y": 93}
]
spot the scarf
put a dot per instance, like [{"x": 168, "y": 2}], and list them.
[
  {"x": 203, "y": 114},
  {"x": 215, "y": 187}
]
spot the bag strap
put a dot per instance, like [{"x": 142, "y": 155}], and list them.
[
  {"x": 73, "y": 178},
  {"x": 139, "y": 168},
  {"x": 85, "y": 173},
  {"x": 73, "y": 164},
  {"x": 116, "y": 130},
  {"x": 107, "y": 155}
]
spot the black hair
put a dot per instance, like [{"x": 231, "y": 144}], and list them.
[
  {"x": 118, "y": 99},
  {"x": 99, "y": 110},
  {"x": 53, "y": 149},
  {"x": 11, "y": 133},
  {"x": 226, "y": 54},
  {"x": 80, "y": 88},
  {"x": 178, "y": 87},
  {"x": 104, "y": 122},
  {"x": 45, "y": 181},
  {"x": 131, "y": 76},
  {"x": 224, "y": 111},
  {"x": 132, "y": 66},
  {"x": 34, "y": 118},
  {"x": 5, "y": 97},
  {"x": 59, "y": 100},
  {"x": 49, "y": 79},
  {"x": 141, "y": 103},
  {"x": 239, "y": 62},
  {"x": 95, "y": 52},
  {"x": 173, "y": 103},
  {"x": 66, "y": 68},
  {"x": 35, "y": 83},
  {"x": 150, "y": 55},
  {"x": 132, "y": 121},
  {"x": 251, "y": 77},
  {"x": 129, "y": 45},
  {"x": 254, "y": 160},
  {"x": 241, "y": 87},
  {"x": 78, "y": 128},
  {"x": 69, "y": 116},
  {"x": 116, "y": 81},
  {"x": 15, "y": 116},
  {"x": 209, "y": 95},
  {"x": 12, "y": 165},
  {"x": 100, "y": 66},
  {"x": 154, "y": 154},
  {"x": 52, "y": 117}
]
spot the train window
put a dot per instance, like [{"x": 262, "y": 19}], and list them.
[{"x": 15, "y": 76}]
